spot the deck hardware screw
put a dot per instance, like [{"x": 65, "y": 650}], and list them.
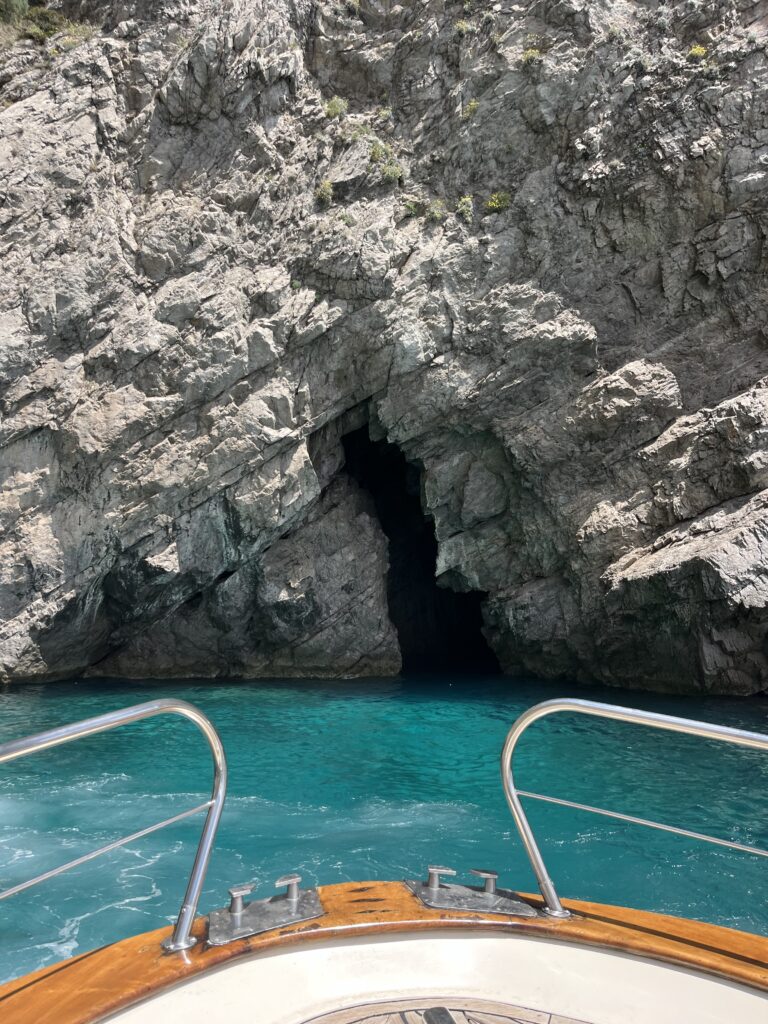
[
  {"x": 433, "y": 881},
  {"x": 236, "y": 893},
  {"x": 292, "y": 881},
  {"x": 490, "y": 879}
]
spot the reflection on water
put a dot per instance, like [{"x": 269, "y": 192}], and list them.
[{"x": 366, "y": 780}]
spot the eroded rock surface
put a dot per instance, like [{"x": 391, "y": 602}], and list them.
[{"x": 541, "y": 274}]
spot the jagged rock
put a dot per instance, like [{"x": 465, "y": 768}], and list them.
[
  {"x": 576, "y": 357},
  {"x": 313, "y": 604}
]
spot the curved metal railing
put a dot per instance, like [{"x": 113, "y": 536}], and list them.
[
  {"x": 181, "y": 937},
  {"x": 553, "y": 906}
]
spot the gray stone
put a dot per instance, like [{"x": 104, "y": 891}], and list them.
[{"x": 186, "y": 333}]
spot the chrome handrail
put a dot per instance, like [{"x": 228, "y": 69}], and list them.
[
  {"x": 672, "y": 723},
  {"x": 181, "y": 938}
]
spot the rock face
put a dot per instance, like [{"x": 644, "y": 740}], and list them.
[
  {"x": 536, "y": 264},
  {"x": 314, "y": 604}
]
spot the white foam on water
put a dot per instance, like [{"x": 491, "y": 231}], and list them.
[{"x": 65, "y": 946}]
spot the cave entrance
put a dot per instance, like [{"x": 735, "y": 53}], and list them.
[{"x": 439, "y": 629}]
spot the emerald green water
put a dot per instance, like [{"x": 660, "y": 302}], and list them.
[{"x": 367, "y": 781}]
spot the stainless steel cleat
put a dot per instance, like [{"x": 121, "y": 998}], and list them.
[
  {"x": 450, "y": 896},
  {"x": 490, "y": 878},
  {"x": 241, "y": 919}
]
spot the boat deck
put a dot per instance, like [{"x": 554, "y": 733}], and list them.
[
  {"x": 97, "y": 984},
  {"x": 449, "y": 1011}
]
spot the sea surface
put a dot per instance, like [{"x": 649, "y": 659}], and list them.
[{"x": 367, "y": 780}]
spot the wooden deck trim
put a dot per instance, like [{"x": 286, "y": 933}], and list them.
[{"x": 89, "y": 987}]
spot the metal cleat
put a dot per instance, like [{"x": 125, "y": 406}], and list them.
[
  {"x": 241, "y": 919},
  {"x": 449, "y": 896}
]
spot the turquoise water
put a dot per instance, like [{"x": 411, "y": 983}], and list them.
[{"x": 361, "y": 781}]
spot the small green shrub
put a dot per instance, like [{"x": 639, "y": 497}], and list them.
[
  {"x": 336, "y": 108},
  {"x": 48, "y": 21},
  {"x": 13, "y": 10},
  {"x": 347, "y": 218},
  {"x": 465, "y": 209},
  {"x": 436, "y": 212},
  {"x": 34, "y": 33},
  {"x": 380, "y": 152},
  {"x": 498, "y": 202},
  {"x": 296, "y": 285},
  {"x": 531, "y": 56},
  {"x": 324, "y": 192},
  {"x": 538, "y": 44},
  {"x": 353, "y": 7},
  {"x": 41, "y": 23},
  {"x": 413, "y": 206},
  {"x": 391, "y": 172},
  {"x": 384, "y": 113},
  {"x": 697, "y": 53},
  {"x": 76, "y": 33},
  {"x": 470, "y": 109},
  {"x": 360, "y": 131},
  {"x": 462, "y": 27}
]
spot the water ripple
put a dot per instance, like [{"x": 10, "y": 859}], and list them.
[{"x": 344, "y": 781}]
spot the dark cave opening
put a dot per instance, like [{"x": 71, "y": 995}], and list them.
[{"x": 439, "y": 629}]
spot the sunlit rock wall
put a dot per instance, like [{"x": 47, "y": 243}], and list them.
[{"x": 541, "y": 273}]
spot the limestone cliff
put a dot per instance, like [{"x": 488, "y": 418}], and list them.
[{"x": 525, "y": 242}]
